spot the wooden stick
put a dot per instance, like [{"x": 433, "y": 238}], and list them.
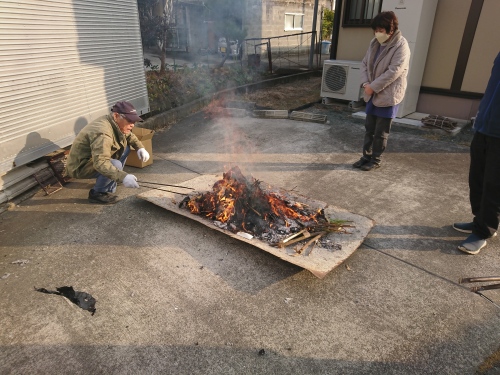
[
  {"x": 254, "y": 210},
  {"x": 330, "y": 227},
  {"x": 306, "y": 235},
  {"x": 318, "y": 236},
  {"x": 288, "y": 241},
  {"x": 312, "y": 247},
  {"x": 294, "y": 235}
]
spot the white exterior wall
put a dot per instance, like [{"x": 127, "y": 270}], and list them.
[{"x": 64, "y": 63}]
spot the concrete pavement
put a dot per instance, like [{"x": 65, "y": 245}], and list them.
[{"x": 175, "y": 297}]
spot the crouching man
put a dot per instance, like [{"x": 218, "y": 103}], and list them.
[{"x": 101, "y": 149}]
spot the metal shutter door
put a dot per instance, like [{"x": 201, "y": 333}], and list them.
[{"x": 63, "y": 64}]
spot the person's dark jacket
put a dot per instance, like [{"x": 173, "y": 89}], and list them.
[{"x": 488, "y": 115}]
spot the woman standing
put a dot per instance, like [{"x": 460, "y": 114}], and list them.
[{"x": 383, "y": 75}]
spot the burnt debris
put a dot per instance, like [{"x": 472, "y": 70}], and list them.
[{"x": 238, "y": 203}]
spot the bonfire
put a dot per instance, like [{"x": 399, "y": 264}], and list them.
[{"x": 241, "y": 205}]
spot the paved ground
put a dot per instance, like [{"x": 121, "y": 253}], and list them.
[{"x": 175, "y": 297}]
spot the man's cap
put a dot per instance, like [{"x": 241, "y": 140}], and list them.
[{"x": 128, "y": 110}]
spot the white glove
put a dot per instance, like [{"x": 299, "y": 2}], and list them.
[
  {"x": 130, "y": 181},
  {"x": 143, "y": 154}
]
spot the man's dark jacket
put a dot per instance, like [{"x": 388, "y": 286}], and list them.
[{"x": 488, "y": 116}]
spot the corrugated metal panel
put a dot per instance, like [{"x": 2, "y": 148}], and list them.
[
  {"x": 20, "y": 180},
  {"x": 62, "y": 64}
]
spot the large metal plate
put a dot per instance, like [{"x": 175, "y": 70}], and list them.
[{"x": 319, "y": 262}]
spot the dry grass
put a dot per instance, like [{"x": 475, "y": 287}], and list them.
[{"x": 288, "y": 95}]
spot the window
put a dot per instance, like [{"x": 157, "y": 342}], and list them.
[
  {"x": 293, "y": 21},
  {"x": 361, "y": 12}
]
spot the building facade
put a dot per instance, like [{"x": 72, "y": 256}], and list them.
[
  {"x": 271, "y": 18},
  {"x": 463, "y": 44}
]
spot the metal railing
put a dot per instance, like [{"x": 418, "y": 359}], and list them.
[{"x": 290, "y": 51}]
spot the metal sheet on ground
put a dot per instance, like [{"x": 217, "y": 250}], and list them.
[{"x": 319, "y": 262}]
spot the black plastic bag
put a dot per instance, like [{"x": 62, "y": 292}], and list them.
[{"x": 81, "y": 299}]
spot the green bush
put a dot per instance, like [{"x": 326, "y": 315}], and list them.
[{"x": 327, "y": 27}]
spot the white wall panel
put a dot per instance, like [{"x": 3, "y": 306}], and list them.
[{"x": 62, "y": 64}]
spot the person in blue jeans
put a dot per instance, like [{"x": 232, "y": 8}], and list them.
[
  {"x": 484, "y": 171},
  {"x": 105, "y": 184},
  {"x": 100, "y": 150}
]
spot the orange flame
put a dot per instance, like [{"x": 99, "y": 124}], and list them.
[{"x": 235, "y": 197}]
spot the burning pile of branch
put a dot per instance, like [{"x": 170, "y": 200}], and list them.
[{"x": 240, "y": 204}]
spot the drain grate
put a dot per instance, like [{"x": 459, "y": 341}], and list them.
[
  {"x": 271, "y": 113},
  {"x": 312, "y": 117}
]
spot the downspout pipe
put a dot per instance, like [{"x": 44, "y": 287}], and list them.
[
  {"x": 314, "y": 32},
  {"x": 336, "y": 30}
]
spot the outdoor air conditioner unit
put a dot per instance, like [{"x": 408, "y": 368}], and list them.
[{"x": 341, "y": 80}]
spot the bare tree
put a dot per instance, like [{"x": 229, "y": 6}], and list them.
[{"x": 157, "y": 29}]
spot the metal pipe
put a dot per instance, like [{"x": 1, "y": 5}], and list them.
[
  {"x": 336, "y": 30},
  {"x": 157, "y": 183},
  {"x": 168, "y": 191},
  {"x": 313, "y": 36},
  {"x": 484, "y": 287},
  {"x": 478, "y": 279},
  {"x": 487, "y": 299}
]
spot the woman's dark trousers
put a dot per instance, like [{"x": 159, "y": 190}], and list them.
[{"x": 376, "y": 135}]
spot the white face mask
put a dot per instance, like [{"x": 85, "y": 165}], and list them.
[{"x": 381, "y": 37}]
